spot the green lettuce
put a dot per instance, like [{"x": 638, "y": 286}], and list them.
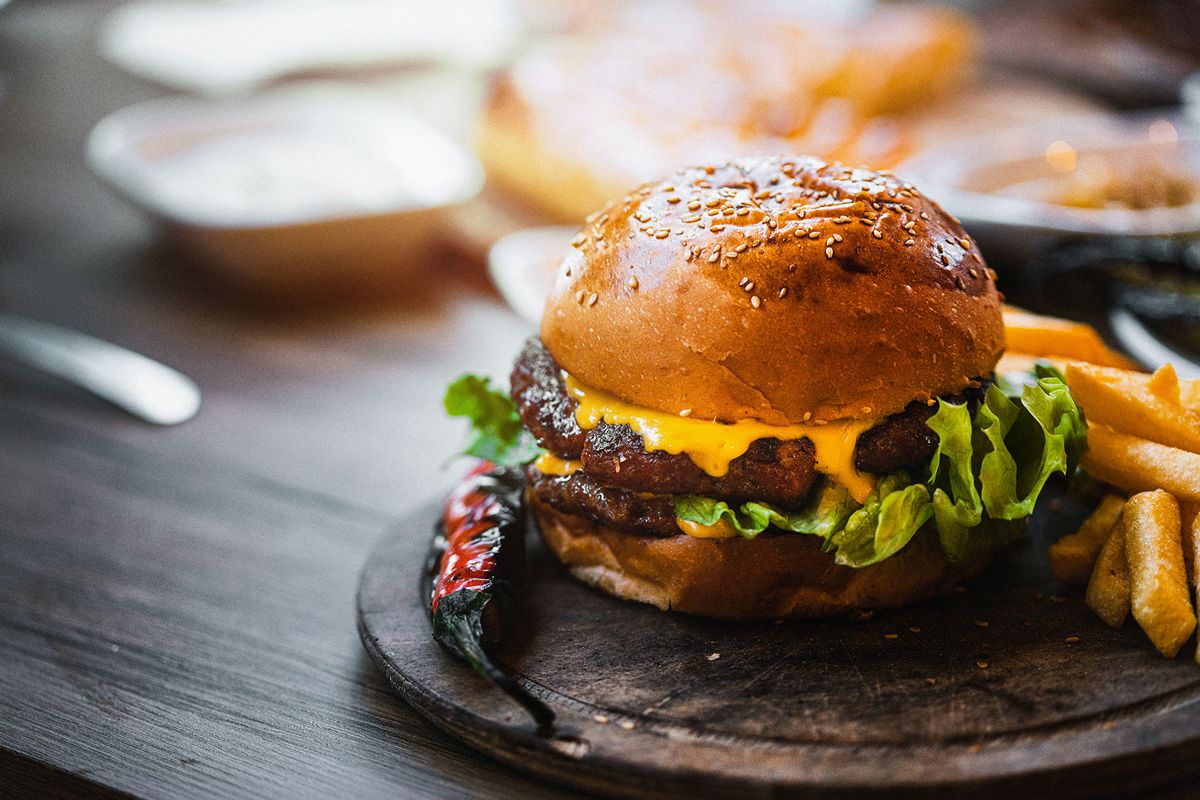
[
  {"x": 984, "y": 478},
  {"x": 857, "y": 535},
  {"x": 497, "y": 433}
]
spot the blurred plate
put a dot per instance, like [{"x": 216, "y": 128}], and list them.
[
  {"x": 522, "y": 266},
  {"x": 230, "y": 48}
]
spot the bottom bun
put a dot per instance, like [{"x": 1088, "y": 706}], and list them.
[{"x": 772, "y": 576}]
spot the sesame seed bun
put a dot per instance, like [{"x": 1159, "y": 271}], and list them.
[
  {"x": 772, "y": 576},
  {"x": 780, "y": 289}
]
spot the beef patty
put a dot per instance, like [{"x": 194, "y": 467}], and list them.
[
  {"x": 582, "y": 495},
  {"x": 779, "y": 472}
]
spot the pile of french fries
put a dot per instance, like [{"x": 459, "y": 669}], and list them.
[{"x": 1139, "y": 550}]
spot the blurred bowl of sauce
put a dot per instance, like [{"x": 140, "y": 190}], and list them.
[
  {"x": 1024, "y": 190},
  {"x": 308, "y": 188}
]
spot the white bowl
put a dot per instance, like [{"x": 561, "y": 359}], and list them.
[{"x": 316, "y": 186}]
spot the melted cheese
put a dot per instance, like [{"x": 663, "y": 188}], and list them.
[
  {"x": 722, "y": 530},
  {"x": 553, "y": 465},
  {"x": 712, "y": 445}
]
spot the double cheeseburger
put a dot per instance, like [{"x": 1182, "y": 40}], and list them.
[{"x": 743, "y": 376}]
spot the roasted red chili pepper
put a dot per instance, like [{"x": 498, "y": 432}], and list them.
[{"x": 471, "y": 577}]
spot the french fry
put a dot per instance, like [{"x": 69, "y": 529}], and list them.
[
  {"x": 1135, "y": 403},
  {"x": 1037, "y": 335},
  {"x": 1024, "y": 362},
  {"x": 1189, "y": 532},
  {"x": 1137, "y": 465},
  {"x": 1073, "y": 556},
  {"x": 1159, "y": 597},
  {"x": 1189, "y": 395},
  {"x": 1108, "y": 589}
]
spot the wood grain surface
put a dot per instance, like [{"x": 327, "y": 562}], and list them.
[
  {"x": 1002, "y": 686},
  {"x": 177, "y": 605}
]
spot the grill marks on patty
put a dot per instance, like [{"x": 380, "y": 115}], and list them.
[
  {"x": 617, "y": 468},
  {"x": 543, "y": 403},
  {"x": 779, "y": 472},
  {"x": 582, "y": 495}
]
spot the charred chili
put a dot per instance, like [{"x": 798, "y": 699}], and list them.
[{"x": 471, "y": 584}]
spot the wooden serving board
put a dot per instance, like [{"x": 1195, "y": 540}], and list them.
[{"x": 985, "y": 690}]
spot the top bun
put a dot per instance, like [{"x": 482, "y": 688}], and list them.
[{"x": 787, "y": 290}]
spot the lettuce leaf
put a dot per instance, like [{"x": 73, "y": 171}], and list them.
[
  {"x": 984, "y": 478},
  {"x": 857, "y": 535},
  {"x": 497, "y": 433},
  {"x": 824, "y": 515},
  {"x": 892, "y": 514}
]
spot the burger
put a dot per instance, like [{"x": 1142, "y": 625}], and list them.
[{"x": 764, "y": 388}]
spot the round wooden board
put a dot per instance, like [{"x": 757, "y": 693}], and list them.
[{"x": 977, "y": 691}]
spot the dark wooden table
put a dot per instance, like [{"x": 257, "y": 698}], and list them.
[{"x": 177, "y": 605}]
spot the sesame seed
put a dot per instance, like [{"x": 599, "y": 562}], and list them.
[
  {"x": 578, "y": 240},
  {"x": 592, "y": 298},
  {"x": 627, "y": 724},
  {"x": 662, "y": 233},
  {"x": 743, "y": 281},
  {"x": 673, "y": 199},
  {"x": 580, "y": 295},
  {"x": 829, "y": 252},
  {"x": 807, "y": 416},
  {"x": 829, "y": 241},
  {"x": 749, "y": 286},
  {"x": 741, "y": 248},
  {"x": 1071, "y": 639},
  {"x": 982, "y": 664},
  {"x": 743, "y": 211},
  {"x": 716, "y": 228},
  {"x": 981, "y": 623},
  {"x": 891, "y": 636},
  {"x": 687, "y": 412},
  {"x": 633, "y": 282},
  {"x": 754, "y": 301},
  {"x": 945, "y": 260},
  {"x": 783, "y": 293},
  {"x": 837, "y": 237},
  {"x": 731, "y": 254},
  {"x": 877, "y": 234},
  {"x": 914, "y": 629},
  {"x": 713, "y": 656},
  {"x": 909, "y": 242},
  {"x": 694, "y": 205},
  {"x": 714, "y": 258},
  {"x": 812, "y": 235},
  {"x": 866, "y": 409},
  {"x": 966, "y": 243},
  {"x": 692, "y": 218},
  {"x": 924, "y": 215}
]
